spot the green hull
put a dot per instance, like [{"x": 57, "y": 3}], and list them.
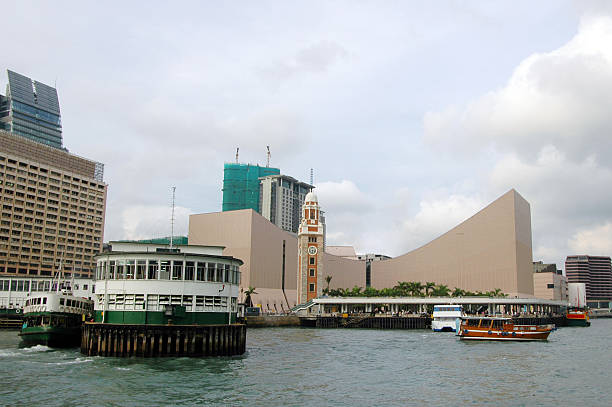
[
  {"x": 578, "y": 322},
  {"x": 56, "y": 337}
]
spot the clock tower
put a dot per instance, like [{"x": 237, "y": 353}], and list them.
[{"x": 310, "y": 251}]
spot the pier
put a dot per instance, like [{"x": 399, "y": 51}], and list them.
[{"x": 119, "y": 340}]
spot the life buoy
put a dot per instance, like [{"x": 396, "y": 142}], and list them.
[{"x": 17, "y": 311}]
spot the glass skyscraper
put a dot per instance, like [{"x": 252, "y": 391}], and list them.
[{"x": 31, "y": 109}]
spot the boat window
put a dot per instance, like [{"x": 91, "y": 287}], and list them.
[
  {"x": 61, "y": 301},
  {"x": 210, "y": 271},
  {"x": 44, "y": 300},
  {"x": 219, "y": 274},
  {"x": 130, "y": 267}
]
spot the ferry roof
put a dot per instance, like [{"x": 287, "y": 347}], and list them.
[{"x": 122, "y": 249}]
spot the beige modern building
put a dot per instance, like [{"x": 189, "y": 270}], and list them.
[
  {"x": 492, "y": 249},
  {"x": 550, "y": 285},
  {"x": 53, "y": 209}
]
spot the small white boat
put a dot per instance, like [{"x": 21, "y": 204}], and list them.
[{"x": 445, "y": 316}]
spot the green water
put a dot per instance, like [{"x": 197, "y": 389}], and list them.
[{"x": 335, "y": 367}]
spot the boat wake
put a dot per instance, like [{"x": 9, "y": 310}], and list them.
[
  {"x": 71, "y": 362},
  {"x": 36, "y": 348}
]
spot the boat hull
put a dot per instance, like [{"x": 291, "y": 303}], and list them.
[
  {"x": 56, "y": 337},
  {"x": 577, "y": 322},
  {"x": 495, "y": 335}
]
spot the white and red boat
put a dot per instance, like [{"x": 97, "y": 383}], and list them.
[{"x": 501, "y": 329}]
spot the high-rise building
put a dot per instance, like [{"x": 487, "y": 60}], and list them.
[
  {"x": 241, "y": 185},
  {"x": 595, "y": 272},
  {"x": 280, "y": 200},
  {"x": 31, "y": 109},
  {"x": 310, "y": 251},
  {"x": 52, "y": 210}
]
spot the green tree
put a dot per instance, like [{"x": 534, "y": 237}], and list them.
[
  {"x": 327, "y": 280},
  {"x": 458, "y": 292},
  {"x": 440, "y": 291},
  {"x": 429, "y": 286},
  {"x": 247, "y": 296}
]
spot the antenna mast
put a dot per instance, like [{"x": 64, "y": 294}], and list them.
[
  {"x": 237, "y": 149},
  {"x": 268, "y": 162},
  {"x": 312, "y": 176},
  {"x": 172, "y": 218}
]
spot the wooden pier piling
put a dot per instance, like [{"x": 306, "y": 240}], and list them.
[{"x": 162, "y": 340}]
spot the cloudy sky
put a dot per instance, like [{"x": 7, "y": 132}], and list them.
[{"x": 414, "y": 115}]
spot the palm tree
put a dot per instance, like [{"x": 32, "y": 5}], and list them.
[
  {"x": 327, "y": 280},
  {"x": 429, "y": 286},
  {"x": 247, "y": 296},
  {"x": 458, "y": 292},
  {"x": 440, "y": 291},
  {"x": 417, "y": 289}
]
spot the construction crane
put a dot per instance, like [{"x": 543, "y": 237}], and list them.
[{"x": 237, "y": 149}]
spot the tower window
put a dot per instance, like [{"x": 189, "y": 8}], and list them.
[
  {"x": 311, "y": 287},
  {"x": 312, "y": 272},
  {"x": 312, "y": 260}
]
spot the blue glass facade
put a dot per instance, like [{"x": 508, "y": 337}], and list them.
[{"x": 31, "y": 110}]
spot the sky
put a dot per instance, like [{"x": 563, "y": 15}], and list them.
[{"x": 414, "y": 115}]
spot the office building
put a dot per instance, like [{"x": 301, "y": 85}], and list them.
[
  {"x": 280, "y": 200},
  {"x": 596, "y": 273},
  {"x": 31, "y": 109},
  {"x": 241, "y": 185},
  {"x": 52, "y": 210}
]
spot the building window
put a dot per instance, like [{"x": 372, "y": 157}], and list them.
[
  {"x": 311, "y": 287},
  {"x": 312, "y": 272},
  {"x": 312, "y": 260},
  {"x": 550, "y": 286}
]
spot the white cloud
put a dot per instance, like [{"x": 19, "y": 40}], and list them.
[
  {"x": 559, "y": 98},
  {"x": 596, "y": 240},
  {"x": 436, "y": 216},
  {"x": 146, "y": 222}
]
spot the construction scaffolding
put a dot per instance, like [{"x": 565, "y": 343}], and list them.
[{"x": 241, "y": 185}]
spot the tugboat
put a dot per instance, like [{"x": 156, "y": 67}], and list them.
[
  {"x": 577, "y": 316},
  {"x": 54, "y": 318},
  {"x": 501, "y": 329}
]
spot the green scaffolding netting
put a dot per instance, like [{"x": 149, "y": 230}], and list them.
[{"x": 241, "y": 185}]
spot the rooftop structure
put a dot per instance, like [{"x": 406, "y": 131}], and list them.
[
  {"x": 241, "y": 185},
  {"x": 31, "y": 109}
]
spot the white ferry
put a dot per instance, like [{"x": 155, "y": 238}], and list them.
[
  {"x": 54, "y": 318},
  {"x": 445, "y": 316}
]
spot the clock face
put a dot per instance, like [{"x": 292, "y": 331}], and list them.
[{"x": 312, "y": 250}]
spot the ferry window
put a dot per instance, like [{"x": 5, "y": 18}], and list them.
[
  {"x": 61, "y": 301},
  {"x": 201, "y": 271},
  {"x": 85, "y": 287},
  {"x": 219, "y": 274},
  {"x": 227, "y": 277},
  {"x": 129, "y": 269},
  {"x": 152, "y": 270},
  {"x": 112, "y": 269},
  {"x": 141, "y": 266},
  {"x": 189, "y": 270},
  {"x": 311, "y": 287},
  {"x": 210, "y": 271},
  {"x": 177, "y": 270},
  {"x": 44, "y": 300},
  {"x": 164, "y": 270}
]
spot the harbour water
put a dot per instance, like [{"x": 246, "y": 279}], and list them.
[{"x": 326, "y": 367}]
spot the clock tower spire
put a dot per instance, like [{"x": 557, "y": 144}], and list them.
[{"x": 310, "y": 251}]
